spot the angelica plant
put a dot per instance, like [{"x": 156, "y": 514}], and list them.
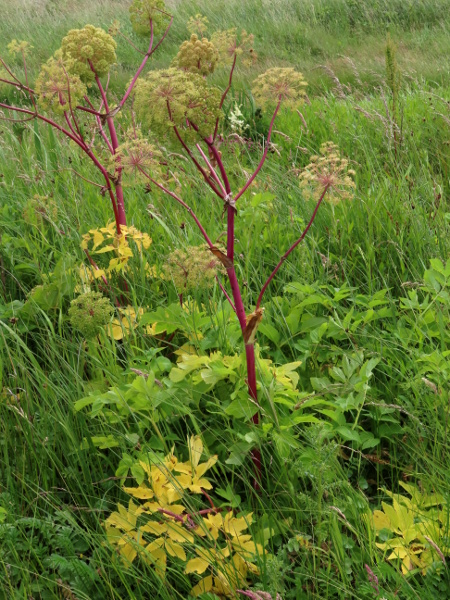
[{"x": 180, "y": 100}]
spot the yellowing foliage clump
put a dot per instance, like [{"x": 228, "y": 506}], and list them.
[
  {"x": 211, "y": 542},
  {"x": 417, "y": 526}
]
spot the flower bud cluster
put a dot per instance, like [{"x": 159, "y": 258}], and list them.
[
  {"x": 88, "y": 52},
  {"x": 57, "y": 89},
  {"x": 142, "y": 12},
  {"x": 197, "y": 56},
  {"x": 175, "y": 98},
  {"x": 89, "y": 313},
  {"x": 193, "y": 268},
  {"x": 327, "y": 171},
  {"x": 277, "y": 84}
]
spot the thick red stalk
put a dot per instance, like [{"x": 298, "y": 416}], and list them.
[
  {"x": 294, "y": 245},
  {"x": 115, "y": 144}
]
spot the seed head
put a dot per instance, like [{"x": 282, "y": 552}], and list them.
[
  {"x": 172, "y": 97},
  {"x": 82, "y": 48},
  {"x": 193, "y": 268},
  {"x": 144, "y": 11},
  {"x": 89, "y": 313},
  {"x": 197, "y": 56},
  {"x": 136, "y": 155},
  {"x": 229, "y": 44},
  {"x": 57, "y": 89},
  {"x": 328, "y": 170},
  {"x": 278, "y": 84}
]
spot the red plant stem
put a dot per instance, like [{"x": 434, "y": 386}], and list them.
[
  {"x": 115, "y": 144},
  {"x": 139, "y": 71},
  {"x": 224, "y": 95},
  {"x": 99, "y": 123},
  {"x": 75, "y": 139},
  {"x": 192, "y": 157},
  {"x": 294, "y": 245},
  {"x": 69, "y": 124},
  {"x": 186, "y": 206},
  {"x": 95, "y": 266},
  {"x": 225, "y": 293},
  {"x": 211, "y": 169},
  {"x": 19, "y": 83},
  {"x": 263, "y": 158},
  {"x": 208, "y": 497}
]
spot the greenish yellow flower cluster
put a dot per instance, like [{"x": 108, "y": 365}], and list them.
[
  {"x": 197, "y": 56},
  {"x": 142, "y": 12},
  {"x": 89, "y": 313},
  {"x": 88, "y": 51},
  {"x": 137, "y": 156},
  {"x": 328, "y": 170},
  {"x": 229, "y": 45},
  {"x": 277, "y": 84},
  {"x": 172, "y": 97},
  {"x": 56, "y": 88},
  {"x": 198, "y": 24},
  {"x": 193, "y": 268},
  {"x": 16, "y": 47}
]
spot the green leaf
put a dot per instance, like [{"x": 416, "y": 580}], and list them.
[{"x": 349, "y": 434}]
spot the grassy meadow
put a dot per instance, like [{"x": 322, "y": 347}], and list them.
[{"x": 352, "y": 354}]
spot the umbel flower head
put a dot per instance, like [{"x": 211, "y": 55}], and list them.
[
  {"x": 193, "y": 268},
  {"x": 277, "y": 84},
  {"x": 22, "y": 47},
  {"x": 144, "y": 11},
  {"x": 138, "y": 156},
  {"x": 327, "y": 170},
  {"x": 229, "y": 45},
  {"x": 198, "y": 24},
  {"x": 89, "y": 51},
  {"x": 56, "y": 88},
  {"x": 89, "y": 313},
  {"x": 197, "y": 56},
  {"x": 172, "y": 97}
]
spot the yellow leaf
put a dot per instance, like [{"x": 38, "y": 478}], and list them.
[
  {"x": 196, "y": 565},
  {"x": 381, "y": 520},
  {"x": 201, "y": 469},
  {"x": 178, "y": 533},
  {"x": 175, "y": 549},
  {"x": 154, "y": 528},
  {"x": 128, "y": 553},
  {"x": 195, "y": 449},
  {"x": 99, "y": 273},
  {"x": 109, "y": 248},
  {"x": 155, "y": 546},
  {"x": 142, "y": 492},
  {"x": 235, "y": 526},
  {"x": 203, "y": 586},
  {"x": 115, "y": 330},
  {"x": 97, "y": 238}
]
